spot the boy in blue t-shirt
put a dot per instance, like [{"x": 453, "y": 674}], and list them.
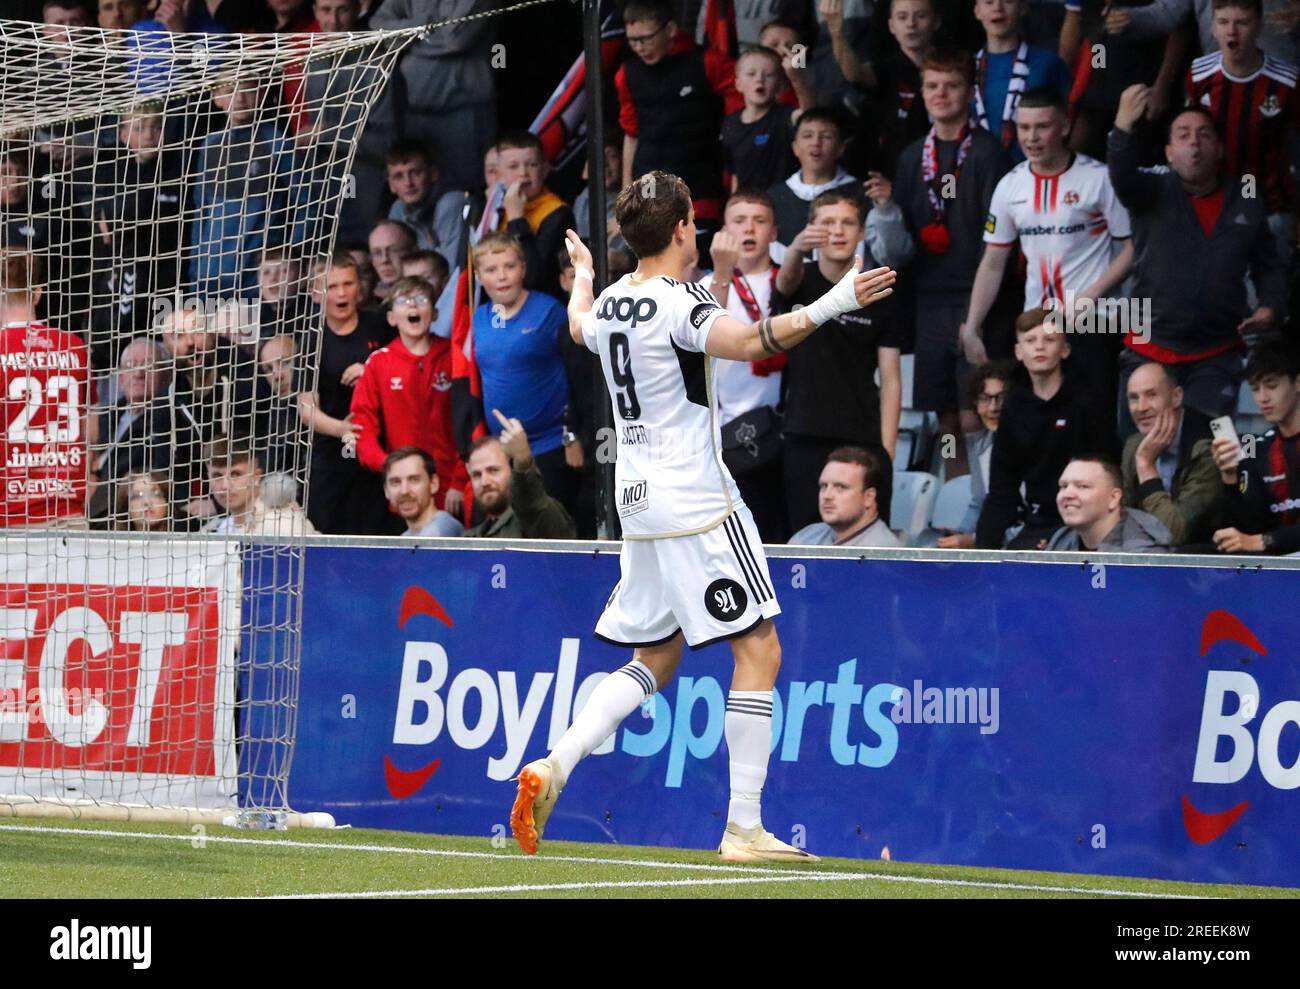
[
  {"x": 519, "y": 347},
  {"x": 1006, "y": 68}
]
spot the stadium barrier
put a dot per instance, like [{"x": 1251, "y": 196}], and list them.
[{"x": 1127, "y": 715}]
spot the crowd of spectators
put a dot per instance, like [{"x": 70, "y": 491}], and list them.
[{"x": 1091, "y": 207}]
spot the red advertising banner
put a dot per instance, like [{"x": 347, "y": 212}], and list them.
[{"x": 119, "y": 685}]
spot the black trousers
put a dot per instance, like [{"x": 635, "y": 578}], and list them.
[
  {"x": 764, "y": 493},
  {"x": 344, "y": 498}
]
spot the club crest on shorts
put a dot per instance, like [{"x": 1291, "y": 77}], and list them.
[{"x": 725, "y": 599}]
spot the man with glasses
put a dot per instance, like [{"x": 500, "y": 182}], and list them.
[
  {"x": 403, "y": 397},
  {"x": 391, "y": 241},
  {"x": 988, "y": 388}
]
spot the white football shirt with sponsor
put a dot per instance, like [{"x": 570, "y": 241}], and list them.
[
  {"x": 1065, "y": 224},
  {"x": 670, "y": 479}
]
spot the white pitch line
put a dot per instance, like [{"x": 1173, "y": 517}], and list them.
[
  {"x": 588, "y": 860},
  {"x": 527, "y": 888}
]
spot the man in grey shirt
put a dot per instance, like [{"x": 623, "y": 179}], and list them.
[
  {"x": 410, "y": 482},
  {"x": 847, "y": 502},
  {"x": 1091, "y": 503}
]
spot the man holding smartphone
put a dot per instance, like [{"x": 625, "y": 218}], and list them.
[{"x": 1263, "y": 491}]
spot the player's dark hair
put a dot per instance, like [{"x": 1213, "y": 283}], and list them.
[
  {"x": 1043, "y": 96},
  {"x": 402, "y": 452},
  {"x": 408, "y": 149},
  {"x": 1197, "y": 110},
  {"x": 1108, "y": 465},
  {"x": 992, "y": 371},
  {"x": 649, "y": 210},
  {"x": 933, "y": 8},
  {"x": 831, "y": 198},
  {"x": 950, "y": 60},
  {"x": 873, "y": 470},
  {"x": 1256, "y": 5},
  {"x": 1273, "y": 358},
  {"x": 659, "y": 11}
]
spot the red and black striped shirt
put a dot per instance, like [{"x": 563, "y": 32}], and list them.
[{"x": 1254, "y": 116}]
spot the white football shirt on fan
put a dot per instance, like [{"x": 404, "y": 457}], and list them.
[
  {"x": 670, "y": 479},
  {"x": 1065, "y": 224},
  {"x": 739, "y": 389}
]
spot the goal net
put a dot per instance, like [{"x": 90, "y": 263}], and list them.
[{"x": 168, "y": 205}]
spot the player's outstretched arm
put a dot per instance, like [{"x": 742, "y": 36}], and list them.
[
  {"x": 583, "y": 296},
  {"x": 731, "y": 339}
]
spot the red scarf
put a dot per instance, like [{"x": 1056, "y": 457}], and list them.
[
  {"x": 740, "y": 285},
  {"x": 935, "y": 237}
]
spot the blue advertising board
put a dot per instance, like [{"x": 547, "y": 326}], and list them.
[{"x": 1131, "y": 720}]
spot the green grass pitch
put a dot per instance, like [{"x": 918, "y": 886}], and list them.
[{"x": 88, "y": 860}]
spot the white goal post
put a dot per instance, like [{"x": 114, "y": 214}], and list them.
[{"x": 168, "y": 206}]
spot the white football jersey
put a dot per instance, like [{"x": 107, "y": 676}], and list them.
[
  {"x": 670, "y": 479},
  {"x": 1065, "y": 224}
]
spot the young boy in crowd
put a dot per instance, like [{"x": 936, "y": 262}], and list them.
[
  {"x": 1043, "y": 425},
  {"x": 403, "y": 397},
  {"x": 520, "y": 342},
  {"x": 1007, "y": 67},
  {"x": 428, "y": 265},
  {"x": 1263, "y": 492},
  {"x": 1253, "y": 97},
  {"x": 432, "y": 212},
  {"x": 672, "y": 96},
  {"x": 235, "y": 483},
  {"x": 896, "y": 116},
  {"x": 756, "y": 139},
  {"x": 818, "y": 147},
  {"x": 534, "y": 215},
  {"x": 831, "y": 396},
  {"x": 279, "y": 282}
]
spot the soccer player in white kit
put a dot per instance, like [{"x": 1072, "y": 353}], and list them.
[{"x": 692, "y": 566}]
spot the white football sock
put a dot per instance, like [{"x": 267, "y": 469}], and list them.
[
  {"x": 614, "y": 698},
  {"x": 748, "y": 727}
]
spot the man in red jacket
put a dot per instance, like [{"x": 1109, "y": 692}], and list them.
[{"x": 403, "y": 398}]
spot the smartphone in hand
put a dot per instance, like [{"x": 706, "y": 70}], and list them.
[{"x": 1223, "y": 428}]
